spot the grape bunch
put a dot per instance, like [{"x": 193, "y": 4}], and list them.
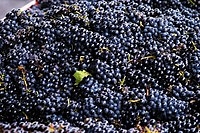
[{"x": 117, "y": 66}]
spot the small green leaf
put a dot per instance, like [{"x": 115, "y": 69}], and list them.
[{"x": 79, "y": 75}]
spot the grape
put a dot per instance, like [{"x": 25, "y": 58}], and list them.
[{"x": 117, "y": 66}]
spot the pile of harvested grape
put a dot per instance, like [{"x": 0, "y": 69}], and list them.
[{"x": 101, "y": 66}]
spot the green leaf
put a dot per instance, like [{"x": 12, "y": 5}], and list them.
[{"x": 79, "y": 75}]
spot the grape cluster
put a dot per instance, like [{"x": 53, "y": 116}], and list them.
[
  {"x": 36, "y": 127},
  {"x": 117, "y": 66}
]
